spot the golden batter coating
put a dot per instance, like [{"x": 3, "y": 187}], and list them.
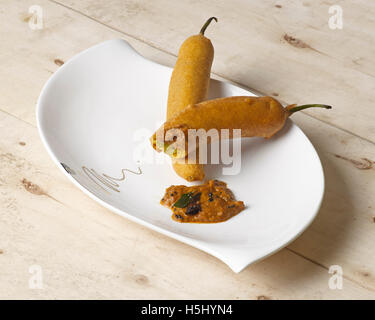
[
  {"x": 255, "y": 116},
  {"x": 189, "y": 85}
]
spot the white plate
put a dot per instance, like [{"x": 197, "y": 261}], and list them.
[{"x": 97, "y": 108}]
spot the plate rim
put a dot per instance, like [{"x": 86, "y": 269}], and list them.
[{"x": 199, "y": 244}]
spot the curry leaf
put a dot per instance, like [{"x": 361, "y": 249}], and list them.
[{"x": 184, "y": 200}]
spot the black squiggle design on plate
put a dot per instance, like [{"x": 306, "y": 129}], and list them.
[
  {"x": 106, "y": 180},
  {"x": 68, "y": 169}
]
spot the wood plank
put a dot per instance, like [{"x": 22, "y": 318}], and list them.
[
  {"x": 330, "y": 144},
  {"x": 85, "y": 251},
  {"x": 342, "y": 234},
  {"x": 336, "y": 67},
  {"x": 29, "y": 57}
]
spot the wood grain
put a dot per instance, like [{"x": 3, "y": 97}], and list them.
[
  {"x": 335, "y": 67},
  {"x": 85, "y": 251}
]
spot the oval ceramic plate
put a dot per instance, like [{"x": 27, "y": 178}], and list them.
[{"x": 95, "y": 115}]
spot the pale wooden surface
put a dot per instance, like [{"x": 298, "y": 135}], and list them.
[{"x": 85, "y": 251}]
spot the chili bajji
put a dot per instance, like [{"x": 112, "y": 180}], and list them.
[
  {"x": 189, "y": 85},
  {"x": 255, "y": 116}
]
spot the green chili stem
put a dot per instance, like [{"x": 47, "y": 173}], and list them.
[
  {"x": 206, "y": 25},
  {"x": 306, "y": 106}
]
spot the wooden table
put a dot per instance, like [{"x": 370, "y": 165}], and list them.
[{"x": 280, "y": 48}]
